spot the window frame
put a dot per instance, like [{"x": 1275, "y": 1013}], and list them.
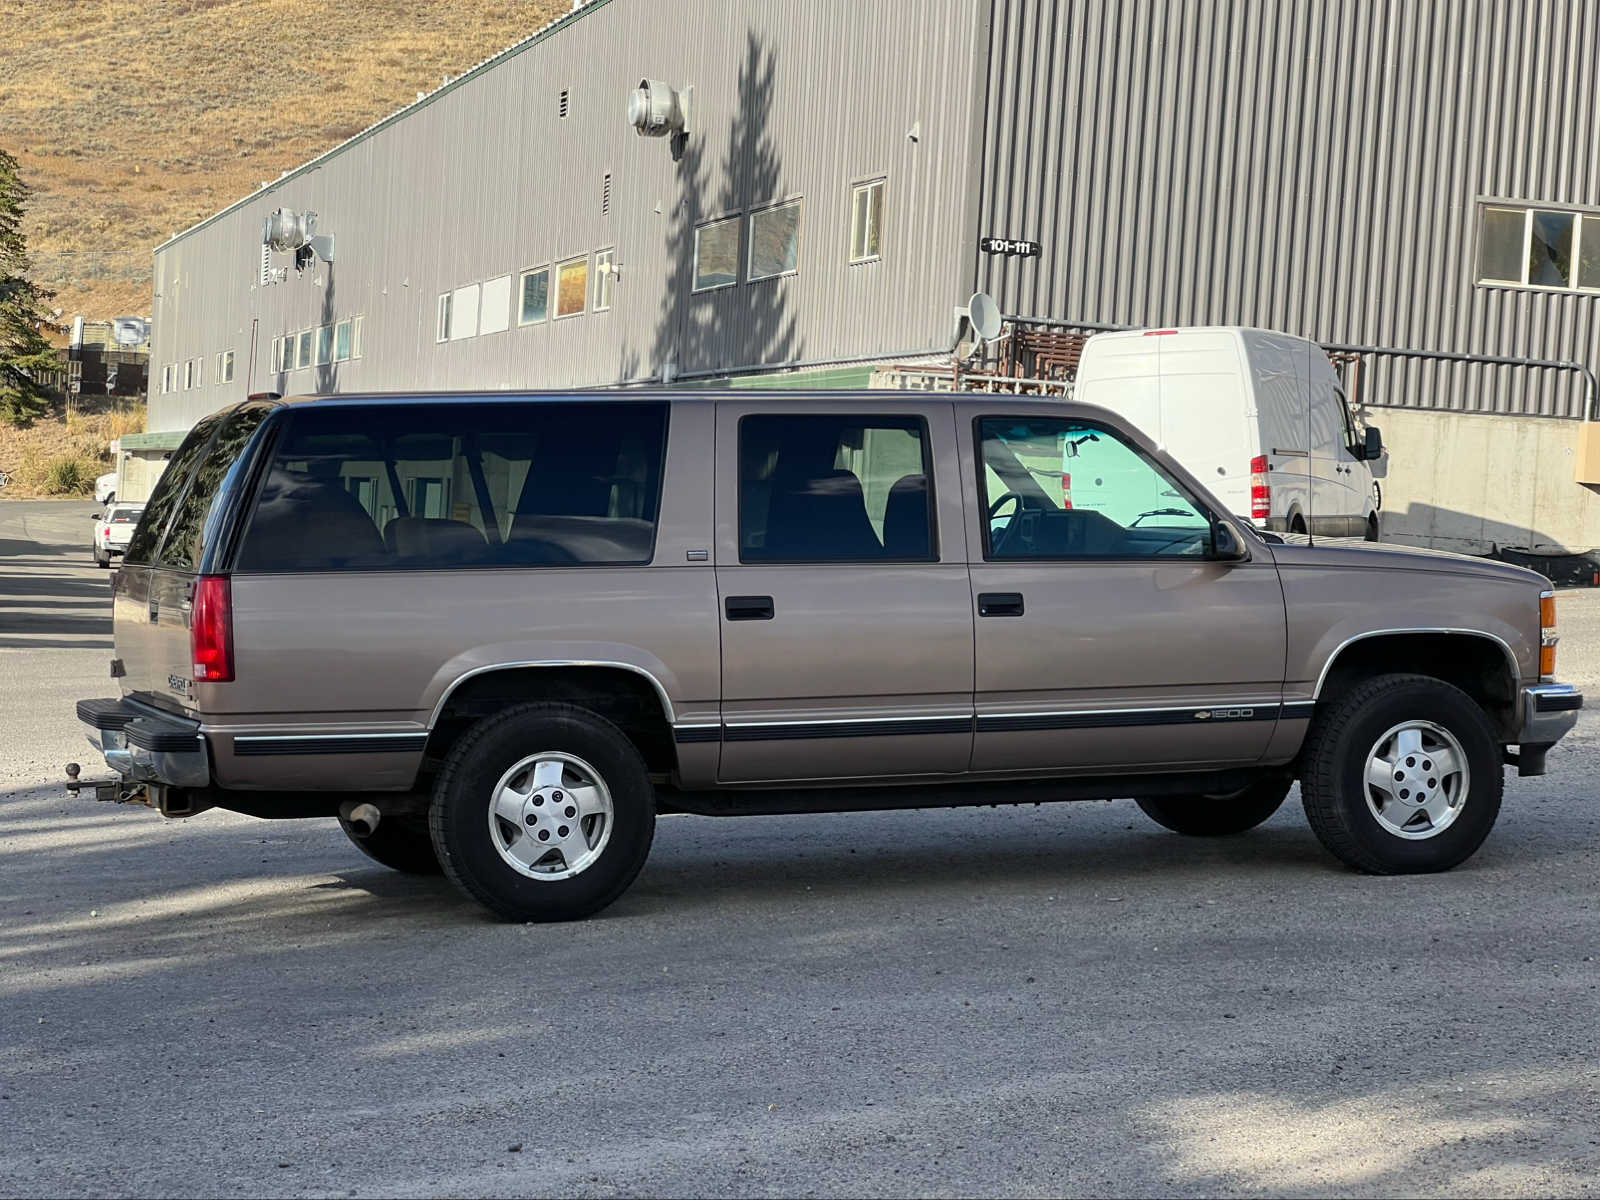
[
  {"x": 555, "y": 312},
  {"x": 356, "y": 327},
  {"x": 441, "y": 318},
  {"x": 305, "y": 348},
  {"x": 695, "y": 289},
  {"x": 862, "y": 185},
  {"x": 548, "y": 271},
  {"x": 346, "y": 326},
  {"x": 224, "y": 367},
  {"x": 604, "y": 277},
  {"x": 935, "y": 546},
  {"x": 985, "y": 530},
  {"x": 322, "y": 346},
  {"x": 1582, "y": 215},
  {"x": 750, "y": 216}
]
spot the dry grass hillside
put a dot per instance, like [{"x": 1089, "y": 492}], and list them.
[{"x": 133, "y": 121}]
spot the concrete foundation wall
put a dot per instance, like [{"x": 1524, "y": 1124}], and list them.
[{"x": 1477, "y": 483}]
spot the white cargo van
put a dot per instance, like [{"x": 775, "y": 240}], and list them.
[{"x": 1259, "y": 416}]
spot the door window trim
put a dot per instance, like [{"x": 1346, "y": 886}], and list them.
[
  {"x": 935, "y": 555},
  {"x": 1100, "y": 426}
]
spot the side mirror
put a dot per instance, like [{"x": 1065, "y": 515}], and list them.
[
  {"x": 1225, "y": 546},
  {"x": 96, "y": 516},
  {"x": 1373, "y": 448}
]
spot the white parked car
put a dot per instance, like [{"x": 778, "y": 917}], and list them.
[
  {"x": 113, "y": 529},
  {"x": 105, "y": 488},
  {"x": 1259, "y": 416}
]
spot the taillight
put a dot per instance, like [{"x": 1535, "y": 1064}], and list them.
[
  {"x": 1260, "y": 489},
  {"x": 1066, "y": 490},
  {"x": 1547, "y": 636},
  {"x": 107, "y": 532},
  {"x": 211, "y": 630}
]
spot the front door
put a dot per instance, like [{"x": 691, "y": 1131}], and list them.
[
  {"x": 1106, "y": 638},
  {"x": 842, "y": 580}
]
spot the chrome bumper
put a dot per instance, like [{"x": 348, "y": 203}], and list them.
[
  {"x": 1549, "y": 710},
  {"x": 145, "y": 747}
]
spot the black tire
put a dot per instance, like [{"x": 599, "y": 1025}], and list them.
[
  {"x": 399, "y": 843},
  {"x": 458, "y": 816},
  {"x": 1297, "y": 524},
  {"x": 1217, "y": 816},
  {"x": 102, "y": 560},
  {"x": 1334, "y": 789},
  {"x": 1372, "y": 528}
]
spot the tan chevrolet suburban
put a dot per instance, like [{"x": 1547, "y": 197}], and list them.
[{"x": 497, "y": 635}]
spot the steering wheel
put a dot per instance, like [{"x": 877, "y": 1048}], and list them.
[{"x": 1002, "y": 498}]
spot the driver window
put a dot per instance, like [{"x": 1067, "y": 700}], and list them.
[{"x": 1063, "y": 489}]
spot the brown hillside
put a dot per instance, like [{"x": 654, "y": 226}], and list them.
[{"x": 131, "y": 122}]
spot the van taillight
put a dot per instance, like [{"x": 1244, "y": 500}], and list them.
[
  {"x": 211, "y": 630},
  {"x": 1260, "y": 489},
  {"x": 1066, "y": 490}
]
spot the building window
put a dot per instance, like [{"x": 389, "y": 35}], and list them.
[
  {"x": 605, "y": 196},
  {"x": 276, "y": 355},
  {"x": 341, "y": 342},
  {"x": 324, "y": 347},
  {"x": 774, "y": 241},
  {"x": 496, "y": 312},
  {"x": 189, "y": 372},
  {"x": 562, "y": 105},
  {"x": 1548, "y": 248},
  {"x": 605, "y": 272},
  {"x": 716, "y": 254},
  {"x": 535, "y": 296},
  {"x": 866, "y": 221},
  {"x": 572, "y": 287},
  {"x": 166, "y": 379},
  {"x": 305, "y": 349},
  {"x": 225, "y": 366},
  {"x": 355, "y": 336},
  {"x": 464, "y": 313},
  {"x": 441, "y": 329}
]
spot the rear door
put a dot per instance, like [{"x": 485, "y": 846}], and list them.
[
  {"x": 151, "y": 594},
  {"x": 845, "y": 610}
]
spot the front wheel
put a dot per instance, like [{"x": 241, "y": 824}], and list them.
[
  {"x": 1220, "y": 815},
  {"x": 1402, "y": 774},
  {"x": 544, "y": 812}
]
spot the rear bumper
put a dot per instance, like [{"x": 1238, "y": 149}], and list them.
[{"x": 147, "y": 746}]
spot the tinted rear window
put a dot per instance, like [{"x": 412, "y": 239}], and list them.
[{"x": 460, "y": 484}]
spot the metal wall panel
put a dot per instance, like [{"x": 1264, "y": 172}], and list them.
[
  {"x": 484, "y": 178},
  {"x": 1312, "y": 167}
]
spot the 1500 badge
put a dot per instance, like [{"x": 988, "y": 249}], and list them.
[{"x": 1224, "y": 714}]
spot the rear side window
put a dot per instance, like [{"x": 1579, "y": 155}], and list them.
[
  {"x": 183, "y": 509},
  {"x": 169, "y": 491},
  {"x": 418, "y": 487},
  {"x": 834, "y": 489}
]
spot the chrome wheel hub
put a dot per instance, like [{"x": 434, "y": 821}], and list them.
[
  {"x": 550, "y": 816},
  {"x": 1416, "y": 780}
]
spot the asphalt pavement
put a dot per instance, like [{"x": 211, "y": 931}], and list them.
[{"x": 1060, "y": 1000}]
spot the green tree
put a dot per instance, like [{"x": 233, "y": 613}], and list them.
[{"x": 24, "y": 351}]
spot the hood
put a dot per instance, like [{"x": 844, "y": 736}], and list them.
[{"x": 1379, "y": 556}]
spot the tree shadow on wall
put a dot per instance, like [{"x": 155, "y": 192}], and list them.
[{"x": 742, "y": 324}]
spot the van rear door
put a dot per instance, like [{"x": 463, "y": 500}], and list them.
[
  {"x": 1207, "y": 412},
  {"x": 152, "y": 593}
]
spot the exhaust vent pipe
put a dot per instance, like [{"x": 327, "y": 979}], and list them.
[{"x": 362, "y": 818}]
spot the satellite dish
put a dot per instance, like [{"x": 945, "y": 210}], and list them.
[{"x": 984, "y": 314}]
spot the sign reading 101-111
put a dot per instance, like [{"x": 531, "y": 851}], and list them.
[{"x": 1010, "y": 247}]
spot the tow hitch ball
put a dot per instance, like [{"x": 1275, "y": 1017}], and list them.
[
  {"x": 73, "y": 770},
  {"x": 118, "y": 791}
]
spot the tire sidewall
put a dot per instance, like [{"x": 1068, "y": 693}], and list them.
[
  {"x": 1455, "y": 711},
  {"x": 461, "y": 819}
]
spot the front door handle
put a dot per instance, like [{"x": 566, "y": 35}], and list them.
[
  {"x": 999, "y": 604},
  {"x": 749, "y": 608}
]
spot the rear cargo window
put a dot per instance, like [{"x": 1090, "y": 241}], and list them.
[{"x": 460, "y": 484}]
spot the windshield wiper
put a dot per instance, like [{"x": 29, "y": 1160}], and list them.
[{"x": 1161, "y": 512}]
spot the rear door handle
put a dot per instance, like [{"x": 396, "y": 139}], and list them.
[
  {"x": 749, "y": 608},
  {"x": 999, "y": 604}
]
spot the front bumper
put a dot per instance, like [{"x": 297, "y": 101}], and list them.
[
  {"x": 1548, "y": 711},
  {"x": 145, "y": 745}
]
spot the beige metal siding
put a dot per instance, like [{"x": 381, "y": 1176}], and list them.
[
  {"x": 1311, "y": 167},
  {"x": 485, "y": 179}
]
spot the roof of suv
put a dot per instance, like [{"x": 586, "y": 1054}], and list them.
[{"x": 796, "y": 396}]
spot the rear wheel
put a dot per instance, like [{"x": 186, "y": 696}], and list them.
[
  {"x": 544, "y": 812},
  {"x": 102, "y": 559},
  {"x": 1372, "y": 528},
  {"x": 1217, "y": 815},
  {"x": 1297, "y": 524},
  {"x": 400, "y": 843},
  {"x": 1402, "y": 774}
]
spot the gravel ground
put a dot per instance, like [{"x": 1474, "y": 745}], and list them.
[{"x": 1011, "y": 1002}]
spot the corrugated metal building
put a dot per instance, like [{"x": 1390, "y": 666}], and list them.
[{"x": 1419, "y": 173}]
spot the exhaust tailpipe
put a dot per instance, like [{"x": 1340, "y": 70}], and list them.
[{"x": 362, "y": 818}]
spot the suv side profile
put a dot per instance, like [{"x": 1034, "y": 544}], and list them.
[{"x": 497, "y": 635}]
